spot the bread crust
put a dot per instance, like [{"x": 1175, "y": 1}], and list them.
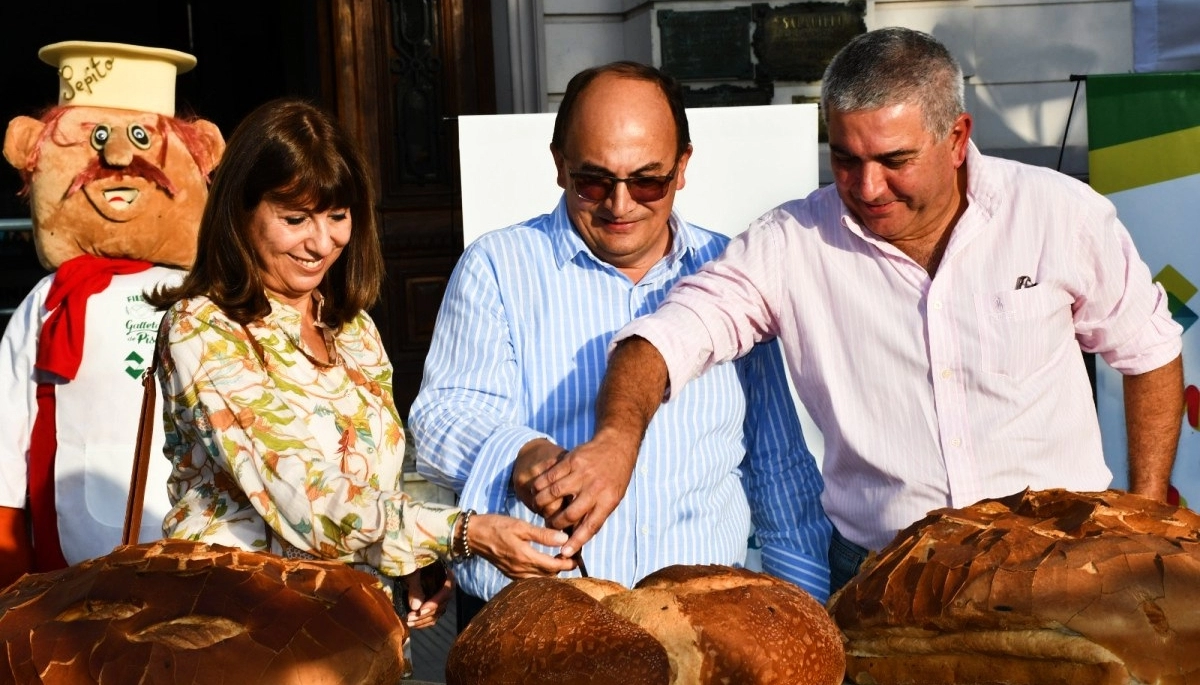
[
  {"x": 546, "y": 630},
  {"x": 713, "y": 624},
  {"x": 729, "y": 625},
  {"x": 180, "y": 612},
  {"x": 1040, "y": 587}
]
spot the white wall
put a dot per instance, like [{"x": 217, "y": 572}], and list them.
[{"x": 1019, "y": 56}]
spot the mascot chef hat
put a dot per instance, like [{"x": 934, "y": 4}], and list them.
[
  {"x": 132, "y": 196},
  {"x": 116, "y": 75}
]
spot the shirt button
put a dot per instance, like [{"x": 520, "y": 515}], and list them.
[
  {"x": 956, "y": 442},
  {"x": 937, "y": 304},
  {"x": 645, "y": 530},
  {"x": 946, "y": 373},
  {"x": 644, "y": 469}
]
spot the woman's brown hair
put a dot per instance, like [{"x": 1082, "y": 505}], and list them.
[{"x": 293, "y": 153}]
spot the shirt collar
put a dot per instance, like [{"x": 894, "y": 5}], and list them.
[
  {"x": 568, "y": 244},
  {"x": 283, "y": 315},
  {"x": 985, "y": 192},
  {"x": 286, "y": 319}
]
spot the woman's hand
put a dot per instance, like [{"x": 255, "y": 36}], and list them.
[
  {"x": 429, "y": 591},
  {"x": 505, "y": 541}
]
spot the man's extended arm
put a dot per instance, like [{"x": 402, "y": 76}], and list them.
[
  {"x": 596, "y": 474},
  {"x": 1153, "y": 419}
]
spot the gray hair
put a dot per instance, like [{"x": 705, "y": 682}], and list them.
[{"x": 895, "y": 66}]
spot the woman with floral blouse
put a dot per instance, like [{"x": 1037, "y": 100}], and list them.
[{"x": 279, "y": 417}]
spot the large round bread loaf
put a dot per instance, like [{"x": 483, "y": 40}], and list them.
[
  {"x": 1040, "y": 587},
  {"x": 184, "y": 613},
  {"x": 729, "y": 625},
  {"x": 546, "y": 630},
  {"x": 685, "y": 625}
]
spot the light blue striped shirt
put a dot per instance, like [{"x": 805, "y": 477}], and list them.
[{"x": 518, "y": 353}]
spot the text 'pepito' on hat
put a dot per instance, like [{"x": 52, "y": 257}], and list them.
[{"x": 116, "y": 75}]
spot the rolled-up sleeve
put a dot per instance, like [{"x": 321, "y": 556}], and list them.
[{"x": 1120, "y": 312}]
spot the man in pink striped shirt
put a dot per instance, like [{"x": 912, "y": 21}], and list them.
[{"x": 931, "y": 305}]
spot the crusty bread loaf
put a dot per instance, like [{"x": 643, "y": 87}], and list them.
[
  {"x": 544, "y": 630},
  {"x": 179, "y": 612},
  {"x": 727, "y": 625},
  {"x": 1039, "y": 587},
  {"x": 711, "y": 624}
]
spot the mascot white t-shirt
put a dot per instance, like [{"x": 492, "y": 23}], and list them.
[{"x": 96, "y": 414}]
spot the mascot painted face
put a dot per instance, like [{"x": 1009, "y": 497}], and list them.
[
  {"x": 116, "y": 186},
  {"x": 109, "y": 181}
]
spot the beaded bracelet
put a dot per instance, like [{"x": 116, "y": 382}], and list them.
[{"x": 461, "y": 541}]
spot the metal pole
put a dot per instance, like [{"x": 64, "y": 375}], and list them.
[{"x": 1077, "y": 78}]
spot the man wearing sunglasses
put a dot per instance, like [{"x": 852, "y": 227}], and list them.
[
  {"x": 932, "y": 303},
  {"x": 518, "y": 353}
]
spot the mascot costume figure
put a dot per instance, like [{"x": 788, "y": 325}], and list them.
[{"x": 116, "y": 186}]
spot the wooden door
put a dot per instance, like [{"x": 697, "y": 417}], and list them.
[{"x": 404, "y": 70}]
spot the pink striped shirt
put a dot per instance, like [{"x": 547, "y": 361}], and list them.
[{"x": 934, "y": 392}]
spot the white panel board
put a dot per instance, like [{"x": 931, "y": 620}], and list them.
[{"x": 746, "y": 160}]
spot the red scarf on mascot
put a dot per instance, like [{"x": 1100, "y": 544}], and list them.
[{"x": 60, "y": 351}]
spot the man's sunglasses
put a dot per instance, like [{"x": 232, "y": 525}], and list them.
[{"x": 597, "y": 187}]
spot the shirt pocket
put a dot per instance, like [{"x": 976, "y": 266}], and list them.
[{"x": 1020, "y": 330}]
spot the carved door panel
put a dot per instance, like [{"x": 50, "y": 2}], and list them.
[{"x": 405, "y": 70}]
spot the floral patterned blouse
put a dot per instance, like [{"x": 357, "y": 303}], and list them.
[{"x": 267, "y": 443}]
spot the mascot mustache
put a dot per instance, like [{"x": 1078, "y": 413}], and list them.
[{"x": 138, "y": 166}]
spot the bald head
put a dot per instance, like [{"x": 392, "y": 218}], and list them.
[{"x": 668, "y": 88}]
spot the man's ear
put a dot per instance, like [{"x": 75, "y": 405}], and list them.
[
  {"x": 561, "y": 165},
  {"x": 210, "y": 145},
  {"x": 681, "y": 170},
  {"x": 20, "y": 141},
  {"x": 961, "y": 135}
]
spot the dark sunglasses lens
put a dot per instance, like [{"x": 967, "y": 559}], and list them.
[
  {"x": 647, "y": 189},
  {"x": 593, "y": 188}
]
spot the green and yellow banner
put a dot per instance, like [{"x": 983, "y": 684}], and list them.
[
  {"x": 1144, "y": 154},
  {"x": 1142, "y": 129}
]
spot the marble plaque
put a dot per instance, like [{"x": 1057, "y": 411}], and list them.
[
  {"x": 712, "y": 44},
  {"x": 795, "y": 42}
]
